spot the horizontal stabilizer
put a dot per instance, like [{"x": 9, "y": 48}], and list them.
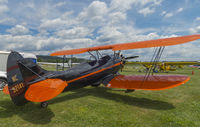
[
  {"x": 5, "y": 90},
  {"x": 153, "y": 82},
  {"x": 45, "y": 90}
]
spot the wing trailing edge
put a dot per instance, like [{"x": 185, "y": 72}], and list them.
[
  {"x": 154, "y": 82},
  {"x": 133, "y": 45}
]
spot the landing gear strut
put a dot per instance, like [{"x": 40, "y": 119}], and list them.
[{"x": 44, "y": 104}]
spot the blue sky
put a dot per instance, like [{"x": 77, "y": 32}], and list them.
[{"x": 44, "y": 26}]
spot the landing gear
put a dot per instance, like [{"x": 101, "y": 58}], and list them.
[
  {"x": 129, "y": 91},
  {"x": 95, "y": 85},
  {"x": 44, "y": 104}
]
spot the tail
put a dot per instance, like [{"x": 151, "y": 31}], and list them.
[
  {"x": 20, "y": 71},
  {"x": 26, "y": 81}
]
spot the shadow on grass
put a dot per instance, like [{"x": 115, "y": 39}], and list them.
[
  {"x": 103, "y": 92},
  {"x": 30, "y": 112}
]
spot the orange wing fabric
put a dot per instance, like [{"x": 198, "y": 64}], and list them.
[
  {"x": 133, "y": 45},
  {"x": 154, "y": 82},
  {"x": 45, "y": 90},
  {"x": 5, "y": 90}
]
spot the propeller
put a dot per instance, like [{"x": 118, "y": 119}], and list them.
[{"x": 125, "y": 60}]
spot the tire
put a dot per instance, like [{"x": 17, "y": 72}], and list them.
[
  {"x": 44, "y": 104},
  {"x": 3, "y": 82}
]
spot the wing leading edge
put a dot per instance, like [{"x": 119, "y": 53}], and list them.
[{"x": 132, "y": 45}]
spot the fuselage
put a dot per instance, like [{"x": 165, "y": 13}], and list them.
[{"x": 88, "y": 73}]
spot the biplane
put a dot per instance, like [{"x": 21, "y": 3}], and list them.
[{"x": 28, "y": 82}]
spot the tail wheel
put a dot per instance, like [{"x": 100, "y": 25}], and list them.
[
  {"x": 44, "y": 104},
  {"x": 3, "y": 82}
]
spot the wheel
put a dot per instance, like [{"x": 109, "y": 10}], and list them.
[
  {"x": 129, "y": 91},
  {"x": 44, "y": 104},
  {"x": 3, "y": 82},
  {"x": 95, "y": 85}
]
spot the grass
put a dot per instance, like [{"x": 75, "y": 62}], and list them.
[{"x": 99, "y": 107}]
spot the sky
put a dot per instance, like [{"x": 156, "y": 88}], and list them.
[{"x": 44, "y": 26}]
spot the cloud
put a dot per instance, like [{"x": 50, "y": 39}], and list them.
[
  {"x": 76, "y": 32},
  {"x": 59, "y": 4},
  {"x": 124, "y": 5},
  {"x": 170, "y": 14},
  {"x": 146, "y": 11},
  {"x": 18, "y": 30},
  {"x": 197, "y": 19},
  {"x": 195, "y": 30},
  {"x": 95, "y": 11},
  {"x": 61, "y": 26},
  {"x": 7, "y": 21},
  {"x": 179, "y": 10},
  {"x": 56, "y": 24},
  {"x": 35, "y": 43},
  {"x": 3, "y": 6},
  {"x": 167, "y": 15}
]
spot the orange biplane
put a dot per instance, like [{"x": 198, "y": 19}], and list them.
[{"x": 29, "y": 82}]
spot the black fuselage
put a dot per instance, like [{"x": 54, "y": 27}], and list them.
[{"x": 90, "y": 73}]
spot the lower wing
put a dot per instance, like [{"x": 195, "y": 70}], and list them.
[{"x": 153, "y": 82}]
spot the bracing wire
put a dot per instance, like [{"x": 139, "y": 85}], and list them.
[
  {"x": 31, "y": 70},
  {"x": 154, "y": 61}
]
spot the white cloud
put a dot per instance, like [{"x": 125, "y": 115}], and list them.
[
  {"x": 76, "y": 32},
  {"x": 197, "y": 19},
  {"x": 7, "y": 21},
  {"x": 124, "y": 5},
  {"x": 59, "y": 4},
  {"x": 195, "y": 30},
  {"x": 180, "y": 10},
  {"x": 57, "y": 23},
  {"x": 97, "y": 23},
  {"x": 170, "y": 14},
  {"x": 146, "y": 11},
  {"x": 96, "y": 10},
  {"x": 167, "y": 15},
  {"x": 163, "y": 13},
  {"x": 34, "y": 43},
  {"x": 3, "y": 6},
  {"x": 18, "y": 30}
]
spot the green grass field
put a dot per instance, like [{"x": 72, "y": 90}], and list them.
[{"x": 104, "y": 107}]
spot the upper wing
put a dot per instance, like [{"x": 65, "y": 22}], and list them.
[{"x": 133, "y": 45}]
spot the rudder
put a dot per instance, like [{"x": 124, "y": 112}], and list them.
[{"x": 16, "y": 84}]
